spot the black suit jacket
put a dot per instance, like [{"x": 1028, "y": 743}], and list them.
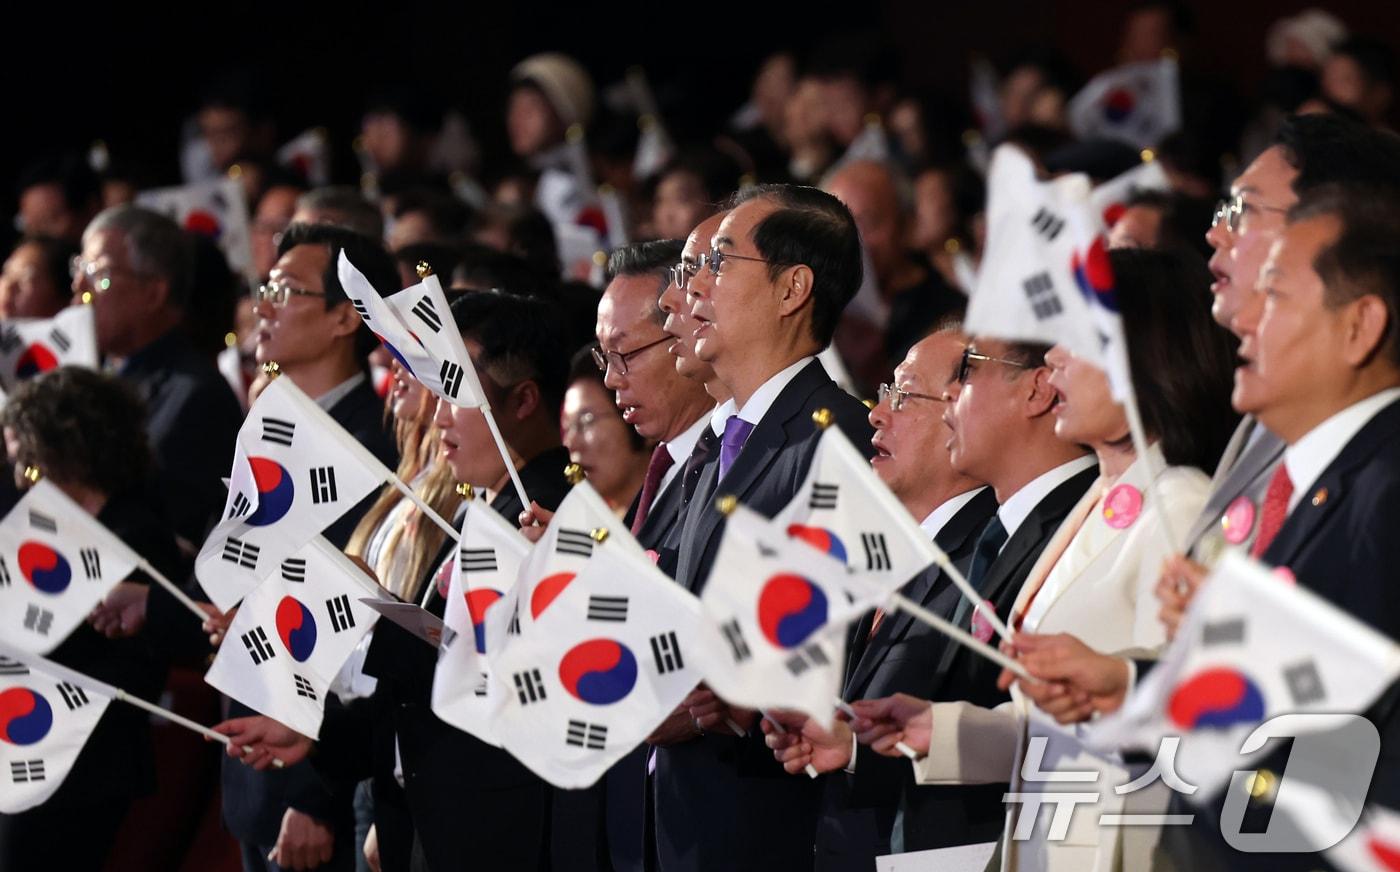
[
  {"x": 723, "y": 802},
  {"x": 1340, "y": 543},
  {"x": 858, "y": 811},
  {"x": 936, "y": 816}
]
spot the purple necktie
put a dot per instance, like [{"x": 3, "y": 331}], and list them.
[
  {"x": 661, "y": 461},
  {"x": 736, "y": 433}
]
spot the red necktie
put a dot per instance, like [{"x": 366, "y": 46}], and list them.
[
  {"x": 1275, "y": 510},
  {"x": 661, "y": 461}
]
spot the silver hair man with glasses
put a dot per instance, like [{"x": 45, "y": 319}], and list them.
[{"x": 135, "y": 270}]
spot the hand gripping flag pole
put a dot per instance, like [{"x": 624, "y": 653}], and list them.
[{"x": 108, "y": 690}]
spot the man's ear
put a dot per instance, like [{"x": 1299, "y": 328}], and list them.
[
  {"x": 795, "y": 288},
  {"x": 158, "y": 294},
  {"x": 345, "y": 321},
  {"x": 1040, "y": 398},
  {"x": 525, "y": 399},
  {"x": 1367, "y": 328}
]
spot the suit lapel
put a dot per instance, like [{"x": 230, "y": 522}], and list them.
[
  {"x": 1226, "y": 487},
  {"x": 664, "y": 512}
]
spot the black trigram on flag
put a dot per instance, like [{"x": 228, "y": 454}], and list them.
[
  {"x": 1305, "y": 683},
  {"x": 451, "y": 377},
  {"x": 513, "y": 628},
  {"x": 338, "y": 607},
  {"x": 12, "y": 667},
  {"x": 255, "y": 640},
  {"x": 362, "y": 310},
  {"x": 37, "y": 619},
  {"x": 576, "y": 542},
  {"x": 73, "y": 696},
  {"x": 591, "y": 736},
  {"x": 427, "y": 313},
  {"x": 735, "y": 637},
  {"x": 60, "y": 339},
  {"x": 9, "y": 340},
  {"x": 1231, "y": 631},
  {"x": 92, "y": 563},
  {"x": 529, "y": 686},
  {"x": 304, "y": 687},
  {"x": 241, "y": 505},
  {"x": 323, "y": 485},
  {"x": 877, "y": 551},
  {"x": 41, "y": 521},
  {"x": 666, "y": 650},
  {"x": 278, "y": 431},
  {"x": 1047, "y": 223},
  {"x": 25, "y": 771},
  {"x": 477, "y": 559},
  {"x": 1040, "y": 291},
  {"x": 607, "y": 608},
  {"x": 294, "y": 569},
  {"x": 482, "y": 683},
  {"x": 823, "y": 496},
  {"x": 4, "y": 573},
  {"x": 806, "y": 659},
  {"x": 245, "y": 554}
]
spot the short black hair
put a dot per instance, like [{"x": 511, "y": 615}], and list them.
[
  {"x": 1184, "y": 219},
  {"x": 1375, "y": 58},
  {"x": 487, "y": 268},
  {"x": 70, "y": 173},
  {"x": 1181, "y": 360},
  {"x": 717, "y": 172},
  {"x": 55, "y": 258},
  {"x": 81, "y": 427},
  {"x": 441, "y": 258},
  {"x": 811, "y": 227},
  {"x": 349, "y": 205},
  {"x": 368, "y": 256},
  {"x": 654, "y": 258},
  {"x": 1332, "y": 150},
  {"x": 521, "y": 339},
  {"x": 448, "y": 215}
]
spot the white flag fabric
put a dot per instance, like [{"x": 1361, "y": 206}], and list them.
[
  {"x": 844, "y": 510},
  {"x": 308, "y": 156},
  {"x": 295, "y": 472},
  {"x": 1045, "y": 276},
  {"x": 654, "y": 148},
  {"x": 30, "y": 346},
  {"x": 293, "y": 633},
  {"x": 1374, "y": 846},
  {"x": 56, "y": 563},
  {"x": 45, "y": 719},
  {"x": 1139, "y": 104},
  {"x": 986, "y": 98},
  {"x": 416, "y": 327},
  {"x": 775, "y": 620},
  {"x": 599, "y": 671},
  {"x": 215, "y": 208},
  {"x": 487, "y": 565},
  {"x": 1110, "y": 198},
  {"x": 1253, "y": 646}
]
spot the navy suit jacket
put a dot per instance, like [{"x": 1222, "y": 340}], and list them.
[{"x": 723, "y": 802}]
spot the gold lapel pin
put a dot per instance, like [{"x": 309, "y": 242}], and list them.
[{"x": 1320, "y": 497}]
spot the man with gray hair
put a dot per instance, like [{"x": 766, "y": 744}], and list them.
[
  {"x": 342, "y": 206},
  {"x": 136, "y": 270}
]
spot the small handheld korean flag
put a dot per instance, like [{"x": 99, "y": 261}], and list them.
[
  {"x": 608, "y": 662},
  {"x": 308, "y": 156},
  {"x": 1253, "y": 646},
  {"x": 775, "y": 620},
  {"x": 215, "y": 208},
  {"x": 487, "y": 564},
  {"x": 295, "y": 472},
  {"x": 1136, "y": 103},
  {"x": 44, "y": 722},
  {"x": 56, "y": 563},
  {"x": 1110, "y": 198},
  {"x": 30, "y": 346},
  {"x": 293, "y": 633}
]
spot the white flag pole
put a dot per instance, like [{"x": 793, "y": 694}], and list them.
[
  {"x": 962, "y": 637},
  {"x": 782, "y": 731},
  {"x": 960, "y": 580},
  {"x": 505, "y": 457},
  {"x": 426, "y": 509},
  {"x": 183, "y": 598},
  {"x": 1140, "y": 446}
]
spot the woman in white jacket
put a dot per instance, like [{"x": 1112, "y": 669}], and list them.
[{"x": 1095, "y": 579}]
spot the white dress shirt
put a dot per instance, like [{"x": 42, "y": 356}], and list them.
[
  {"x": 680, "y": 450},
  {"x": 1310, "y": 456},
  {"x": 767, "y": 393},
  {"x": 939, "y": 517},
  {"x": 1018, "y": 506},
  {"x": 328, "y": 400}
]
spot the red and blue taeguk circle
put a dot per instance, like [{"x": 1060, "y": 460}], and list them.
[
  {"x": 1118, "y": 105},
  {"x": 599, "y": 671},
  {"x": 296, "y": 628},
  {"x": 548, "y": 588},
  {"x": 25, "y": 716},
  {"x": 790, "y": 608},
  {"x": 820, "y": 537},
  {"x": 35, "y": 359},
  {"x": 44, "y": 567},
  {"x": 1094, "y": 274},
  {"x": 478, "y": 601},
  {"x": 275, "y": 491},
  {"x": 1216, "y": 697}
]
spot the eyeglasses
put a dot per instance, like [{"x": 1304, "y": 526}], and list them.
[
  {"x": 968, "y": 356},
  {"x": 278, "y": 293},
  {"x": 898, "y": 396},
  {"x": 1231, "y": 210},
  {"x": 98, "y": 277},
  {"x": 581, "y": 424},
  {"x": 618, "y": 359},
  {"x": 715, "y": 259},
  {"x": 682, "y": 273}
]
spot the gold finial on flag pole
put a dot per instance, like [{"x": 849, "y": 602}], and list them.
[
  {"x": 727, "y": 504},
  {"x": 272, "y": 369},
  {"x": 423, "y": 269},
  {"x": 599, "y": 535},
  {"x": 822, "y": 418},
  {"x": 573, "y": 473},
  {"x": 466, "y": 491}
]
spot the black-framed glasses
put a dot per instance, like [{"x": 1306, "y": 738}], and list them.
[
  {"x": 682, "y": 273},
  {"x": 714, "y": 259},
  {"x": 618, "y": 359},
  {"x": 899, "y": 396},
  {"x": 278, "y": 293},
  {"x": 968, "y": 356},
  {"x": 1231, "y": 210}
]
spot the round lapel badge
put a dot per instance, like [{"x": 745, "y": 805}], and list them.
[
  {"x": 981, "y": 627},
  {"x": 1284, "y": 574},
  {"x": 1122, "y": 506},
  {"x": 1238, "y": 521}
]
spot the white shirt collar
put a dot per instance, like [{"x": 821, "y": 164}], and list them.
[
  {"x": 939, "y": 517},
  {"x": 721, "y": 415},
  {"x": 1310, "y": 456},
  {"x": 767, "y": 393},
  {"x": 328, "y": 400},
  {"x": 1019, "y": 505},
  {"x": 682, "y": 447}
]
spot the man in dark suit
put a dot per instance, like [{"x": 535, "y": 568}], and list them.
[
  {"x": 893, "y": 653},
  {"x": 780, "y": 269},
  {"x": 1004, "y": 434}
]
